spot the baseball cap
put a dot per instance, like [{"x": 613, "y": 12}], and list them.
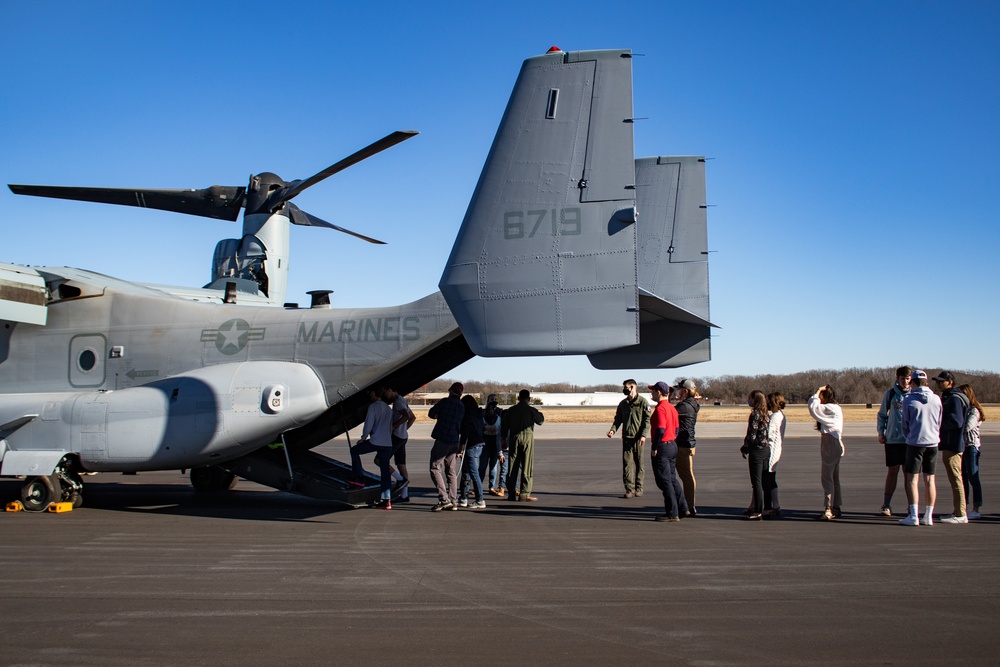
[
  {"x": 944, "y": 376},
  {"x": 661, "y": 387},
  {"x": 918, "y": 375},
  {"x": 688, "y": 384}
]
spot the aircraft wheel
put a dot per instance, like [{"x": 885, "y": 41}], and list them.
[
  {"x": 212, "y": 478},
  {"x": 39, "y": 492}
]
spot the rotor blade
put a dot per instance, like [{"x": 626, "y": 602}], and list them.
[
  {"x": 300, "y": 217},
  {"x": 296, "y": 187},
  {"x": 219, "y": 201}
]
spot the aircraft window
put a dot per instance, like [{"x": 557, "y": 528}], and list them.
[{"x": 87, "y": 360}]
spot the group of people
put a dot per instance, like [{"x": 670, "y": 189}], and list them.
[
  {"x": 489, "y": 450},
  {"x": 915, "y": 424},
  {"x": 471, "y": 443},
  {"x": 671, "y": 431},
  {"x": 460, "y": 433},
  {"x": 385, "y": 432}
]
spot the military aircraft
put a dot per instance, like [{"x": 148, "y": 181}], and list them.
[{"x": 569, "y": 245}]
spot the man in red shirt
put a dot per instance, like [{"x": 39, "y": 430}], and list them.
[{"x": 663, "y": 432}]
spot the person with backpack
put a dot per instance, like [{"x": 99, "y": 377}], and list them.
[{"x": 493, "y": 464}]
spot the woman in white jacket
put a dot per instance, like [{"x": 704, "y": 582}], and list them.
[
  {"x": 775, "y": 434},
  {"x": 830, "y": 422}
]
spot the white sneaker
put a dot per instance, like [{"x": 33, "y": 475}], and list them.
[
  {"x": 909, "y": 520},
  {"x": 464, "y": 502},
  {"x": 928, "y": 520},
  {"x": 974, "y": 515},
  {"x": 955, "y": 519},
  {"x": 481, "y": 505}
]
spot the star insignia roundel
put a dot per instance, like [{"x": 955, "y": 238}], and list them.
[{"x": 232, "y": 335}]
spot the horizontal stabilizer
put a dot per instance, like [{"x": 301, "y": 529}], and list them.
[{"x": 544, "y": 262}]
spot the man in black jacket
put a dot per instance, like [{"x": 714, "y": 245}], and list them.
[{"x": 954, "y": 414}]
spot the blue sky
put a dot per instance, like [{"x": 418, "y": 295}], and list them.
[{"x": 853, "y": 176}]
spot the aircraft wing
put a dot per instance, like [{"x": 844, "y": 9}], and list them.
[{"x": 22, "y": 297}]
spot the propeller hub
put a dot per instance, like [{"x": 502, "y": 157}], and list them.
[{"x": 259, "y": 192}]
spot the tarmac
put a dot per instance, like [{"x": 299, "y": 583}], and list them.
[{"x": 150, "y": 573}]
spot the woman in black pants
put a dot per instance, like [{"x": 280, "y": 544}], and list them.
[{"x": 756, "y": 450}]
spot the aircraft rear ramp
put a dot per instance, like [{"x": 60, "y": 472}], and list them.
[{"x": 309, "y": 474}]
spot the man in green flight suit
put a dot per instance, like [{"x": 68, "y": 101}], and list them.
[
  {"x": 633, "y": 415},
  {"x": 518, "y": 436}
]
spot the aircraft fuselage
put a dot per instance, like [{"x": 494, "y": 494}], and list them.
[{"x": 135, "y": 380}]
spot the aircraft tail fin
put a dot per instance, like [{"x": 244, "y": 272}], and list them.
[
  {"x": 544, "y": 262},
  {"x": 570, "y": 245},
  {"x": 672, "y": 263}
]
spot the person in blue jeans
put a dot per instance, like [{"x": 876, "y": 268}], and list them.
[
  {"x": 376, "y": 436},
  {"x": 970, "y": 458},
  {"x": 493, "y": 464},
  {"x": 470, "y": 450},
  {"x": 663, "y": 425}
]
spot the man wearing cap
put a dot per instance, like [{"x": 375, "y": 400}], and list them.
[
  {"x": 633, "y": 416},
  {"x": 889, "y": 425},
  {"x": 955, "y": 412},
  {"x": 922, "y": 429},
  {"x": 687, "y": 415},
  {"x": 663, "y": 452},
  {"x": 446, "y": 434},
  {"x": 518, "y": 436}
]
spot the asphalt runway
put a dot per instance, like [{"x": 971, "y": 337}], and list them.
[{"x": 150, "y": 573}]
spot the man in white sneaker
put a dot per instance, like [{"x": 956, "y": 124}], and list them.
[
  {"x": 954, "y": 414},
  {"x": 922, "y": 428}
]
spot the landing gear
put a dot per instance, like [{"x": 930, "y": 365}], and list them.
[
  {"x": 39, "y": 492},
  {"x": 212, "y": 478},
  {"x": 70, "y": 484},
  {"x": 64, "y": 485}
]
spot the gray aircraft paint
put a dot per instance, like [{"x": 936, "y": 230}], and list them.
[
  {"x": 554, "y": 256},
  {"x": 672, "y": 261},
  {"x": 544, "y": 262}
]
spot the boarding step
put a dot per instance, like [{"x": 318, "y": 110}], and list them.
[{"x": 313, "y": 475}]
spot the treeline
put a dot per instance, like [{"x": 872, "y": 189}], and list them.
[{"x": 852, "y": 385}]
